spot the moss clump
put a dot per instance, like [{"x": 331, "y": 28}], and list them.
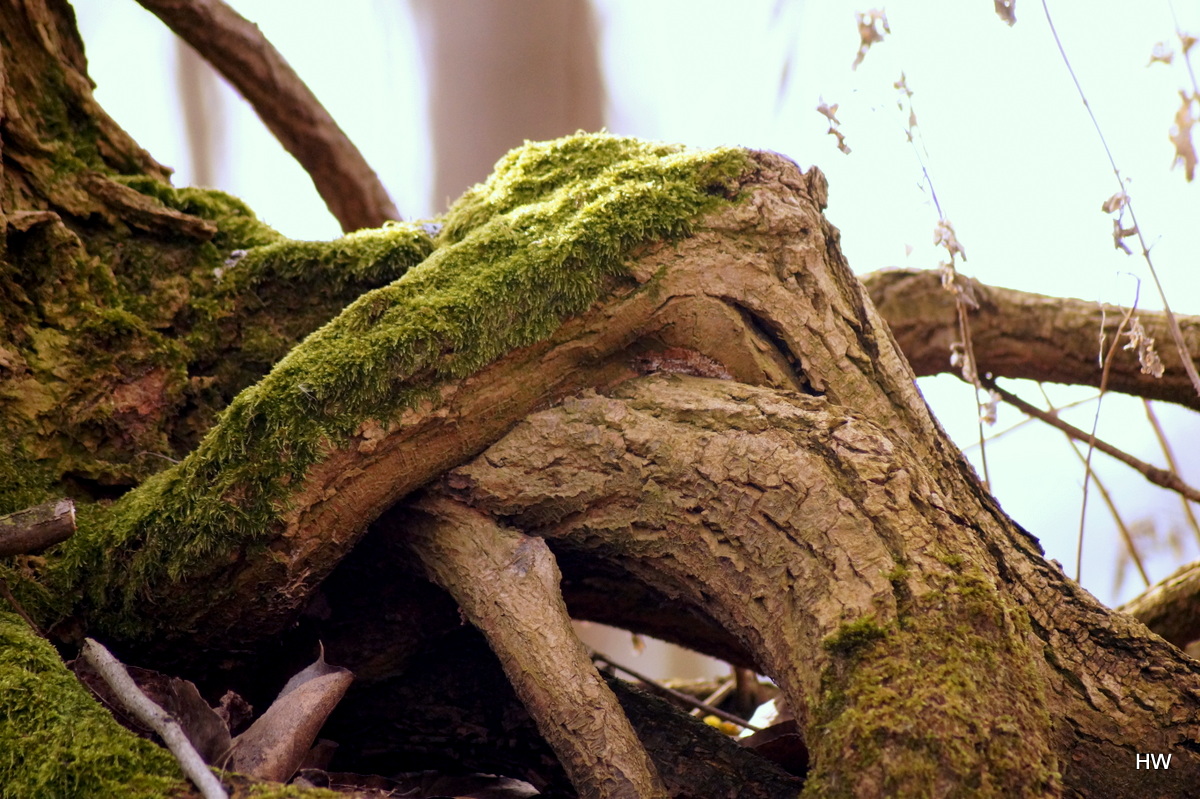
[
  {"x": 373, "y": 257},
  {"x": 56, "y": 741},
  {"x": 541, "y": 240},
  {"x": 919, "y": 712},
  {"x": 237, "y": 225},
  {"x": 855, "y": 637}
]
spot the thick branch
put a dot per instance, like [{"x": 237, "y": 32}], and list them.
[
  {"x": 507, "y": 585},
  {"x": 1171, "y": 608},
  {"x": 239, "y": 51},
  {"x": 1018, "y": 334},
  {"x": 827, "y": 548}
]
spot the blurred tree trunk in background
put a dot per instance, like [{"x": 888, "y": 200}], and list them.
[{"x": 501, "y": 72}]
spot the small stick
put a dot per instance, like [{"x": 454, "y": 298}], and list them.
[
  {"x": 154, "y": 717},
  {"x": 679, "y": 695},
  {"x": 1160, "y": 477},
  {"x": 34, "y": 529}
]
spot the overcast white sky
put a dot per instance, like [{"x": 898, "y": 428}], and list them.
[{"x": 1014, "y": 159}]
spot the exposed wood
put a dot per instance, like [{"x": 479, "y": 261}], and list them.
[
  {"x": 31, "y": 530},
  {"x": 238, "y": 50}
]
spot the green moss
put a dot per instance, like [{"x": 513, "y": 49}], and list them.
[
  {"x": 237, "y": 225},
  {"x": 855, "y": 637},
  {"x": 541, "y": 240},
  {"x": 57, "y": 742},
  {"x": 916, "y": 711},
  {"x": 374, "y": 257}
]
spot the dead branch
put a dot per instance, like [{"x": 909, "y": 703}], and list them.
[
  {"x": 34, "y": 529},
  {"x": 238, "y": 50},
  {"x": 154, "y": 717}
]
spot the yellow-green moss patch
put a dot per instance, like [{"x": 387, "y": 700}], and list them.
[
  {"x": 911, "y": 702},
  {"x": 56, "y": 741}
]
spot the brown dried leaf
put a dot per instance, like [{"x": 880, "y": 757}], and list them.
[
  {"x": 1115, "y": 202},
  {"x": 829, "y": 112},
  {"x": 204, "y": 727},
  {"x": 1161, "y": 53},
  {"x": 277, "y": 743},
  {"x": 1007, "y": 11},
  {"x": 1120, "y": 234},
  {"x": 872, "y": 26},
  {"x": 1143, "y": 343},
  {"x": 1181, "y": 137}
]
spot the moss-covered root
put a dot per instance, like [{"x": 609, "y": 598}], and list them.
[
  {"x": 57, "y": 742},
  {"x": 909, "y": 707}
]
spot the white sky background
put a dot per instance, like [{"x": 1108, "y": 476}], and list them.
[{"x": 1013, "y": 156}]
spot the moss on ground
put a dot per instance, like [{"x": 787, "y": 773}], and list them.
[{"x": 56, "y": 742}]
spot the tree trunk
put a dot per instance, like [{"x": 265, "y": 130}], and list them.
[{"x": 644, "y": 368}]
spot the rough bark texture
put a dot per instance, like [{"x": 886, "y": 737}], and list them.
[
  {"x": 1019, "y": 334},
  {"x": 507, "y": 585},
  {"x": 781, "y": 496}
]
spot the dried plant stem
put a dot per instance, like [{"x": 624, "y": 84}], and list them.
[
  {"x": 1172, "y": 323},
  {"x": 1187, "y": 56},
  {"x": 1160, "y": 477},
  {"x": 1130, "y": 546},
  {"x": 1169, "y": 454},
  {"x": 154, "y": 717},
  {"x": 1106, "y": 359}
]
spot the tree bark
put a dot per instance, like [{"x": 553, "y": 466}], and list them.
[
  {"x": 1019, "y": 334},
  {"x": 654, "y": 359}
]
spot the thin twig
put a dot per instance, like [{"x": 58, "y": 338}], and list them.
[
  {"x": 238, "y": 50},
  {"x": 1172, "y": 323},
  {"x": 1105, "y": 495},
  {"x": 1187, "y": 56},
  {"x": 17, "y": 608},
  {"x": 1106, "y": 360},
  {"x": 1160, "y": 477},
  {"x": 154, "y": 717},
  {"x": 1025, "y": 423},
  {"x": 691, "y": 701},
  {"x": 1170, "y": 456}
]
